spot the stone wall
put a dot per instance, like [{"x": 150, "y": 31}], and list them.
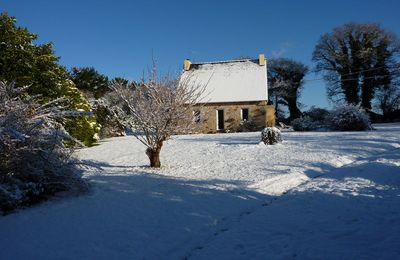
[{"x": 260, "y": 116}]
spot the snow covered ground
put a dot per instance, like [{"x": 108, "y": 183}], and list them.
[{"x": 333, "y": 195}]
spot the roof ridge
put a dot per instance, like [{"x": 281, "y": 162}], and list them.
[{"x": 223, "y": 61}]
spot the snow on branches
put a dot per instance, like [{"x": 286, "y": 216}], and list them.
[
  {"x": 34, "y": 162},
  {"x": 158, "y": 108},
  {"x": 271, "y": 135},
  {"x": 349, "y": 118}
]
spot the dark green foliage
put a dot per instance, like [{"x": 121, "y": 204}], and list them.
[
  {"x": 35, "y": 65},
  {"x": 26, "y": 63},
  {"x": 90, "y": 81},
  {"x": 121, "y": 81}
]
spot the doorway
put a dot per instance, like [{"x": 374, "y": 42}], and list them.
[{"x": 220, "y": 119}]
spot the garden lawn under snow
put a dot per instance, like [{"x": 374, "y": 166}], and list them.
[{"x": 330, "y": 195}]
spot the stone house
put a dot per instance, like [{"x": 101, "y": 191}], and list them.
[{"x": 235, "y": 96}]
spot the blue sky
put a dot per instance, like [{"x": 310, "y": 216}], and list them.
[{"x": 119, "y": 37}]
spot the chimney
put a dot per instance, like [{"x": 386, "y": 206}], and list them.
[
  {"x": 261, "y": 60},
  {"x": 186, "y": 64}
]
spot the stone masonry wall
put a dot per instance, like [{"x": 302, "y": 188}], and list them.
[{"x": 260, "y": 115}]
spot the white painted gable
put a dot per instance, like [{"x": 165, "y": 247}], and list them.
[{"x": 230, "y": 81}]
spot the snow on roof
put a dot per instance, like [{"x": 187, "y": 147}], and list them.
[{"x": 229, "y": 81}]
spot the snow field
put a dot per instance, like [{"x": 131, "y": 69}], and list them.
[
  {"x": 221, "y": 196},
  {"x": 350, "y": 213}
]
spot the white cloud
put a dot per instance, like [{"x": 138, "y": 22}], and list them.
[{"x": 281, "y": 51}]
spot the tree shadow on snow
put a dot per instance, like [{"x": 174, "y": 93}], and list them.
[
  {"x": 375, "y": 171},
  {"x": 351, "y": 208},
  {"x": 136, "y": 212},
  {"x": 250, "y": 138},
  {"x": 168, "y": 212}
]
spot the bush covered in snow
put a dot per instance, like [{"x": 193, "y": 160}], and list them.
[
  {"x": 345, "y": 118},
  {"x": 313, "y": 119},
  {"x": 84, "y": 128},
  {"x": 34, "y": 162},
  {"x": 305, "y": 123},
  {"x": 271, "y": 135},
  {"x": 317, "y": 114},
  {"x": 348, "y": 118},
  {"x": 107, "y": 117}
]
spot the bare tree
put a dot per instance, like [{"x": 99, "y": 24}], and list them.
[
  {"x": 158, "y": 108},
  {"x": 388, "y": 100}
]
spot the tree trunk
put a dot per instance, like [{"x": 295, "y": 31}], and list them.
[
  {"x": 154, "y": 155},
  {"x": 368, "y": 87},
  {"x": 294, "y": 111},
  {"x": 350, "y": 89}
]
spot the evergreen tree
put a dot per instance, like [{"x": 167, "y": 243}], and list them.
[
  {"x": 120, "y": 80},
  {"x": 90, "y": 81},
  {"x": 35, "y": 65}
]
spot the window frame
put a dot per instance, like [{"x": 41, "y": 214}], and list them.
[{"x": 197, "y": 116}]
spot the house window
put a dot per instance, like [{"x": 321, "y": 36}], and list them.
[
  {"x": 220, "y": 119},
  {"x": 196, "y": 116},
  {"x": 244, "y": 114}
]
